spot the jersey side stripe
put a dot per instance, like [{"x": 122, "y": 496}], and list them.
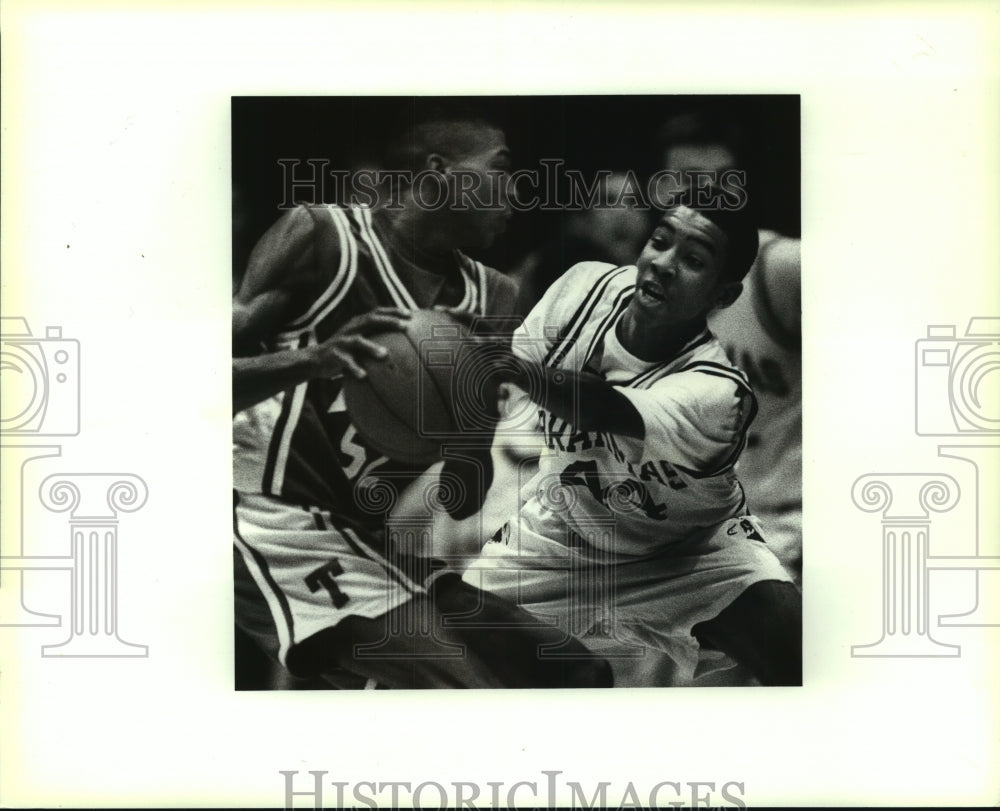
[
  {"x": 324, "y": 520},
  {"x": 400, "y": 295},
  {"x": 291, "y": 337},
  {"x": 281, "y": 440},
  {"x": 367, "y": 237},
  {"x": 285, "y": 398},
  {"x": 472, "y": 283},
  {"x": 275, "y": 597},
  {"x": 468, "y": 302},
  {"x": 298, "y": 398},
  {"x": 345, "y": 245},
  {"x": 576, "y": 324},
  {"x": 481, "y": 274},
  {"x": 719, "y": 370},
  {"x": 352, "y": 272},
  {"x": 474, "y": 277}
]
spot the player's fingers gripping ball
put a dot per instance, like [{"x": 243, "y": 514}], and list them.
[{"x": 433, "y": 385}]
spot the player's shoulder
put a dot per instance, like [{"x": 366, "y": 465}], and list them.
[
  {"x": 499, "y": 289},
  {"x": 585, "y": 291},
  {"x": 502, "y": 292},
  {"x": 710, "y": 374},
  {"x": 713, "y": 393},
  {"x": 497, "y": 281},
  {"x": 298, "y": 256},
  {"x": 588, "y": 273},
  {"x": 586, "y": 280}
]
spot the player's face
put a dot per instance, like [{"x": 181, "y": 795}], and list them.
[
  {"x": 679, "y": 269},
  {"x": 486, "y": 166}
]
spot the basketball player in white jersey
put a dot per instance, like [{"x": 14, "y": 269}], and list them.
[
  {"x": 762, "y": 334},
  {"x": 635, "y": 528},
  {"x": 317, "y": 584}
]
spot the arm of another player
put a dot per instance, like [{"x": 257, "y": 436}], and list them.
[{"x": 782, "y": 278}]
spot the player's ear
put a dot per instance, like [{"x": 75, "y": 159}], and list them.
[
  {"x": 437, "y": 162},
  {"x": 727, "y": 293}
]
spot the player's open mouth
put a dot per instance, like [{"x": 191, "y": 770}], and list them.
[{"x": 652, "y": 291}]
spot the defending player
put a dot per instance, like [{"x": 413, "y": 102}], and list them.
[
  {"x": 762, "y": 334},
  {"x": 316, "y": 583},
  {"x": 635, "y": 525}
]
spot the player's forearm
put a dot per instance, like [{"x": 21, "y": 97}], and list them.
[
  {"x": 259, "y": 377},
  {"x": 467, "y": 475},
  {"x": 585, "y": 401}
]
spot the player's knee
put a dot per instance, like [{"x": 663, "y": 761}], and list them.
[
  {"x": 774, "y": 603},
  {"x": 761, "y": 629}
]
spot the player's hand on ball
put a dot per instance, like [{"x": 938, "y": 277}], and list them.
[{"x": 346, "y": 350}]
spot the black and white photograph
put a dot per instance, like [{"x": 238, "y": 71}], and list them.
[
  {"x": 381, "y": 383},
  {"x": 517, "y": 391}
]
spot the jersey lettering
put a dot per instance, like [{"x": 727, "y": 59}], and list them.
[
  {"x": 324, "y": 577},
  {"x": 356, "y": 460},
  {"x": 616, "y": 496}
]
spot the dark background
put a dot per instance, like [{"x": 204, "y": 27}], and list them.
[{"x": 588, "y": 132}]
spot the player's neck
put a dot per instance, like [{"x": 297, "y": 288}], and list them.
[
  {"x": 418, "y": 238},
  {"x": 655, "y": 342}
]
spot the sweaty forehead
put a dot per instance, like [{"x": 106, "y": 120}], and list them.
[{"x": 686, "y": 221}]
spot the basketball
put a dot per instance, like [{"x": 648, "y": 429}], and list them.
[{"x": 403, "y": 407}]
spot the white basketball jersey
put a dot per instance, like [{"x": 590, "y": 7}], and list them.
[
  {"x": 616, "y": 494},
  {"x": 771, "y": 357}
]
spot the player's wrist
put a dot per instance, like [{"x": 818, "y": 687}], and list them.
[{"x": 311, "y": 358}]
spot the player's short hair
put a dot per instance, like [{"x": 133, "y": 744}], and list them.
[
  {"x": 742, "y": 241},
  {"x": 450, "y": 129}
]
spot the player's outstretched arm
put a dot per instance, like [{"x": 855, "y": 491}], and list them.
[
  {"x": 472, "y": 466},
  {"x": 585, "y": 401}
]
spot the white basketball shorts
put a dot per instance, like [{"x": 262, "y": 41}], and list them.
[{"x": 651, "y": 600}]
